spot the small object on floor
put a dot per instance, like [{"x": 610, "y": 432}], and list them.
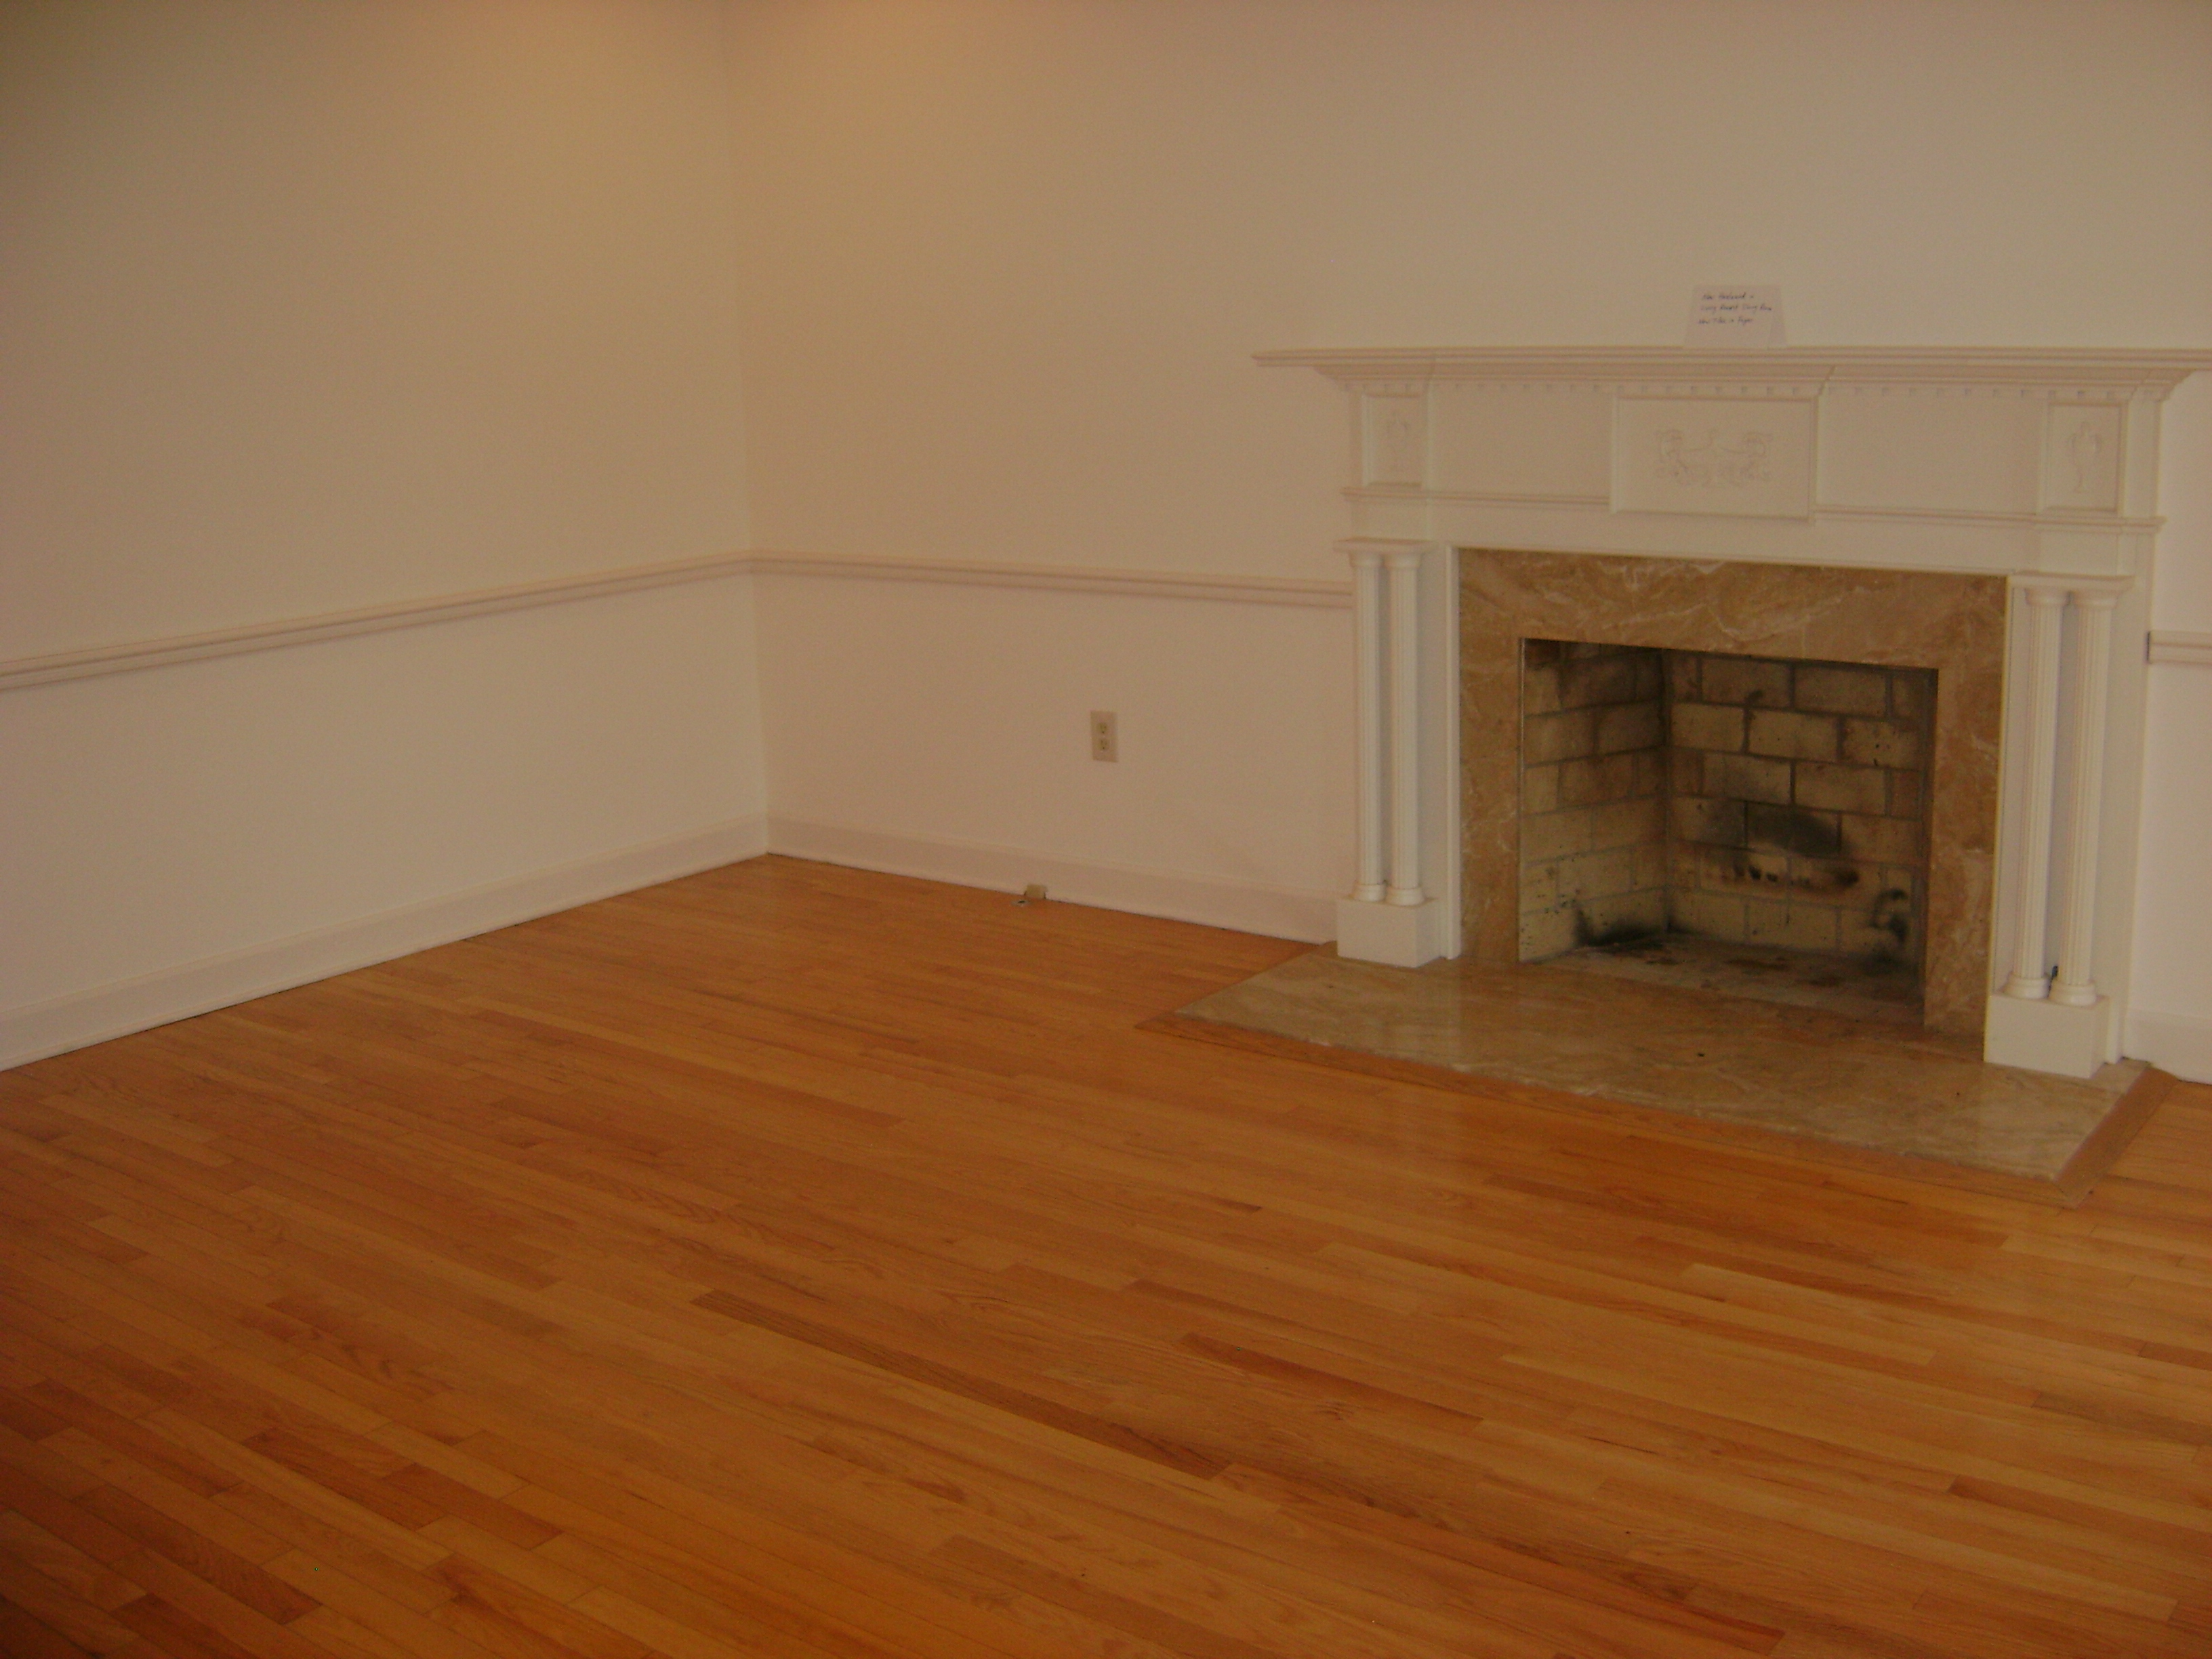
[{"x": 1032, "y": 894}]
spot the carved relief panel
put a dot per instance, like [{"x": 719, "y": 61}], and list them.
[
  {"x": 1741, "y": 456},
  {"x": 2081, "y": 455},
  {"x": 1395, "y": 424}
]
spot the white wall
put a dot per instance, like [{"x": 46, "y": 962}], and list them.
[
  {"x": 1014, "y": 256},
  {"x": 2171, "y": 1022},
  {"x": 942, "y": 731},
  {"x": 325, "y": 306}
]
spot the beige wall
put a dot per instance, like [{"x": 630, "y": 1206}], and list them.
[
  {"x": 317, "y": 305},
  {"x": 1015, "y": 256}
]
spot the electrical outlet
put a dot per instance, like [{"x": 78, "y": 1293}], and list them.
[{"x": 1105, "y": 736}]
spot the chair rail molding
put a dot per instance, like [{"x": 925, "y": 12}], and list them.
[
  {"x": 156, "y": 653},
  {"x": 2173, "y": 646},
  {"x": 1222, "y": 585},
  {"x": 159, "y": 653}
]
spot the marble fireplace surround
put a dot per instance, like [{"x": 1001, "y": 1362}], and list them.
[
  {"x": 1954, "y": 625},
  {"x": 1989, "y": 513}
]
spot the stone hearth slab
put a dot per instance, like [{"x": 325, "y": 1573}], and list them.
[
  {"x": 1800, "y": 1081},
  {"x": 1857, "y": 987}
]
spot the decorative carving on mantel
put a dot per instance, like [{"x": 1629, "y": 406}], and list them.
[
  {"x": 1746, "y": 457},
  {"x": 1395, "y": 422},
  {"x": 1713, "y": 462},
  {"x": 1991, "y": 459},
  {"x": 2081, "y": 455}
]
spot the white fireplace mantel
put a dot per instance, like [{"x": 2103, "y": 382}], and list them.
[
  {"x": 1968, "y": 459},
  {"x": 2037, "y": 465}
]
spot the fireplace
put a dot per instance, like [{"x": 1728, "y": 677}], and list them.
[
  {"x": 1712, "y": 819},
  {"x": 1963, "y": 537},
  {"x": 1805, "y": 754}
]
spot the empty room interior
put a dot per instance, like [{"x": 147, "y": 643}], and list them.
[{"x": 1105, "y": 829}]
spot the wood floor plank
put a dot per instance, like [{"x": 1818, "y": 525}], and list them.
[
  {"x": 791, "y": 1259},
  {"x": 90, "y": 1627},
  {"x": 23, "y": 1635}
]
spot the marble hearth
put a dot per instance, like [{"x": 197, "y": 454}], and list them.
[{"x": 1797, "y": 1081}]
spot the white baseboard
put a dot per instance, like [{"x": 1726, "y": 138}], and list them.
[
  {"x": 1246, "y": 907},
  {"x": 2180, "y": 1043},
  {"x": 85, "y": 1018}
]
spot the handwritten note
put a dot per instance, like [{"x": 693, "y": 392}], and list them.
[{"x": 1735, "y": 317}]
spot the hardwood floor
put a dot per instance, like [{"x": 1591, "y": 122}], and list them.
[{"x": 795, "y": 1262}]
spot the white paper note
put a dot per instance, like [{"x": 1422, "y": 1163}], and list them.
[{"x": 1735, "y": 316}]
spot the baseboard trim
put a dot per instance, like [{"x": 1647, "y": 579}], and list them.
[
  {"x": 1246, "y": 907},
  {"x": 2180, "y": 1043},
  {"x": 84, "y": 1018}
]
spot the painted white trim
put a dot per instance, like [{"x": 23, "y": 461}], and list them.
[
  {"x": 22, "y": 671},
  {"x": 2180, "y": 1043},
  {"x": 1947, "y": 517},
  {"x": 2172, "y": 645},
  {"x": 1212, "y": 900},
  {"x": 1066, "y": 579},
  {"x": 103, "y": 1011},
  {"x": 2155, "y": 372},
  {"x": 367, "y": 619}
]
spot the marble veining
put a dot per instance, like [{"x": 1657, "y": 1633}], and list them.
[
  {"x": 1952, "y": 623},
  {"x": 1792, "y": 1070}
]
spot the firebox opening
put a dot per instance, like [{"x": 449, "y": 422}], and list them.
[{"x": 1750, "y": 825}]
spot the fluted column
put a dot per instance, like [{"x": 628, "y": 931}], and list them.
[
  {"x": 2030, "y": 977},
  {"x": 1405, "y": 879},
  {"x": 1371, "y": 670},
  {"x": 2093, "y": 609}
]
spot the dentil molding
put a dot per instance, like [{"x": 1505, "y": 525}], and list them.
[{"x": 2026, "y": 369}]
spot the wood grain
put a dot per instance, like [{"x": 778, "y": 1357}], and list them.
[{"x": 792, "y": 1260}]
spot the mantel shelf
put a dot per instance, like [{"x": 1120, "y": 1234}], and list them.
[{"x": 2052, "y": 368}]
